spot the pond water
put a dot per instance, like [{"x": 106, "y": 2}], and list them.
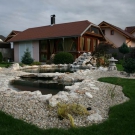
[{"x": 45, "y": 85}]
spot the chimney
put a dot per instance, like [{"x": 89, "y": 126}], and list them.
[{"x": 52, "y": 20}]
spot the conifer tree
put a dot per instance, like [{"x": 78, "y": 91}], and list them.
[
  {"x": 124, "y": 49},
  {"x": 26, "y": 58}
]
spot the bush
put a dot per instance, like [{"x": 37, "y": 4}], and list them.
[
  {"x": 124, "y": 49},
  {"x": 36, "y": 63},
  {"x": 102, "y": 49},
  {"x": 129, "y": 65},
  {"x": 1, "y": 57},
  {"x": 63, "y": 58},
  {"x": 26, "y": 58}
]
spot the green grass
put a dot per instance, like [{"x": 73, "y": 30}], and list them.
[
  {"x": 119, "y": 67},
  {"x": 121, "y": 119},
  {"x": 5, "y": 64}
]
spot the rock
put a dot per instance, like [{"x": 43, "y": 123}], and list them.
[
  {"x": 88, "y": 95},
  {"x": 73, "y": 95},
  {"x": 62, "y": 93},
  {"x": 102, "y": 69},
  {"x": 95, "y": 117},
  {"x": 61, "y": 96},
  {"x": 37, "y": 93},
  {"x": 53, "y": 101},
  {"x": 94, "y": 88},
  {"x": 29, "y": 76},
  {"x": 45, "y": 97},
  {"x": 72, "y": 88},
  {"x": 15, "y": 66}
]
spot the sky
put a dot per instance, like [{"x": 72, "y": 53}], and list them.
[{"x": 22, "y": 14}]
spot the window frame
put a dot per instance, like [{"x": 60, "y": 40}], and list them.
[{"x": 112, "y": 32}]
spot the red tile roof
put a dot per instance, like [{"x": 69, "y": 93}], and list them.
[
  {"x": 118, "y": 29},
  {"x": 16, "y": 32},
  {"x": 57, "y": 30},
  {"x": 129, "y": 29}
]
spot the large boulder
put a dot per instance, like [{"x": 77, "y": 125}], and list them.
[{"x": 15, "y": 66}]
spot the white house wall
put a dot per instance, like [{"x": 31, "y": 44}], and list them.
[{"x": 117, "y": 38}]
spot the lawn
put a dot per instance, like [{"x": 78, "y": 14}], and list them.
[
  {"x": 5, "y": 64},
  {"x": 119, "y": 67},
  {"x": 121, "y": 118}
]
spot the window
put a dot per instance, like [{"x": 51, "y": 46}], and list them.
[
  {"x": 112, "y": 32},
  {"x": 60, "y": 46},
  {"x": 103, "y": 32},
  {"x": 94, "y": 30},
  {"x": 94, "y": 44}
]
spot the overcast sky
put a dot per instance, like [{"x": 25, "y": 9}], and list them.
[{"x": 22, "y": 14}]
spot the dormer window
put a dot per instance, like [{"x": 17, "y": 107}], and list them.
[
  {"x": 112, "y": 32},
  {"x": 94, "y": 30}
]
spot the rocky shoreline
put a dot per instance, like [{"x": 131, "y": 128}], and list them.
[{"x": 41, "y": 110}]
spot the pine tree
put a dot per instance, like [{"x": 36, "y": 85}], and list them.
[
  {"x": 129, "y": 65},
  {"x": 124, "y": 49},
  {"x": 26, "y": 58}
]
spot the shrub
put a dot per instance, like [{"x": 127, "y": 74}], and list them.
[
  {"x": 63, "y": 58},
  {"x": 1, "y": 57},
  {"x": 36, "y": 63},
  {"x": 26, "y": 58},
  {"x": 102, "y": 49},
  {"x": 129, "y": 65},
  {"x": 124, "y": 49}
]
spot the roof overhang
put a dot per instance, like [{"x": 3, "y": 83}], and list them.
[
  {"x": 92, "y": 33},
  {"x": 35, "y": 39}
]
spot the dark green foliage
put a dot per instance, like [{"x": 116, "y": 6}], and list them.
[
  {"x": 1, "y": 57},
  {"x": 63, "y": 58},
  {"x": 124, "y": 49},
  {"x": 119, "y": 67},
  {"x": 36, "y": 63},
  {"x": 129, "y": 65},
  {"x": 26, "y": 58},
  {"x": 102, "y": 49}
]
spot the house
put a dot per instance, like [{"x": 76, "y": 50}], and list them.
[
  {"x": 131, "y": 30},
  {"x": 42, "y": 42},
  {"x": 11, "y": 35},
  {"x": 5, "y": 49},
  {"x": 2, "y": 43},
  {"x": 116, "y": 36}
]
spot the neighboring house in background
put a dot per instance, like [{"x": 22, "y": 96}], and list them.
[
  {"x": 5, "y": 48},
  {"x": 131, "y": 30},
  {"x": 116, "y": 36},
  {"x": 11, "y": 35},
  {"x": 72, "y": 37}
]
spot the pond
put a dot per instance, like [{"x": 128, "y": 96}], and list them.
[{"x": 45, "y": 85}]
